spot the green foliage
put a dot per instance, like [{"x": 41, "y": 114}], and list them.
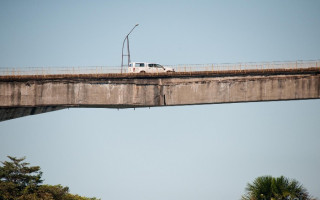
[
  {"x": 270, "y": 188},
  {"x": 18, "y": 181},
  {"x": 19, "y": 173}
]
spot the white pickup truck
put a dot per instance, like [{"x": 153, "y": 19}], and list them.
[{"x": 143, "y": 67}]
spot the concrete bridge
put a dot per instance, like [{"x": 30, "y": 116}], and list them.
[{"x": 22, "y": 95}]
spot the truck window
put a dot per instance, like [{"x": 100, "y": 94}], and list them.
[
  {"x": 139, "y": 64},
  {"x": 159, "y": 66},
  {"x": 151, "y": 65}
]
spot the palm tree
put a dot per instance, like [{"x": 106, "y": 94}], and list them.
[{"x": 270, "y": 188}]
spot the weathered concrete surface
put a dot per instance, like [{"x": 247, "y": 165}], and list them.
[
  {"x": 14, "y": 112},
  {"x": 24, "y": 96}
]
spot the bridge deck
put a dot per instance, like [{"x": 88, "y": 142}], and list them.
[{"x": 22, "y": 95}]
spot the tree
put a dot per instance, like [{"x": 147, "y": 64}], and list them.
[
  {"x": 19, "y": 181},
  {"x": 16, "y": 175},
  {"x": 270, "y": 188},
  {"x": 19, "y": 173}
]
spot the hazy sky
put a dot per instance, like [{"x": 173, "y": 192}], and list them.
[{"x": 188, "y": 152}]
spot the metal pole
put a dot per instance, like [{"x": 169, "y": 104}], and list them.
[
  {"x": 128, "y": 50},
  {"x": 122, "y": 54}
]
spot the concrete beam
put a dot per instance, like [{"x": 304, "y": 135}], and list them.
[{"x": 20, "y": 96}]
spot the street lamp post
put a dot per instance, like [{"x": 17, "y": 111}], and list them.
[{"x": 128, "y": 49}]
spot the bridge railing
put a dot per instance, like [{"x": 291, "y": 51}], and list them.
[
  {"x": 177, "y": 68},
  {"x": 246, "y": 66},
  {"x": 61, "y": 70}
]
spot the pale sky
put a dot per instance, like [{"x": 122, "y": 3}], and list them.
[{"x": 187, "y": 152}]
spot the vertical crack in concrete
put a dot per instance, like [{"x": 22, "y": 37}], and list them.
[{"x": 318, "y": 87}]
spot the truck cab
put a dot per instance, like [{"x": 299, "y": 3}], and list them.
[{"x": 143, "y": 67}]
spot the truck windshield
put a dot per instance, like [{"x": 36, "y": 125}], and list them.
[{"x": 159, "y": 66}]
